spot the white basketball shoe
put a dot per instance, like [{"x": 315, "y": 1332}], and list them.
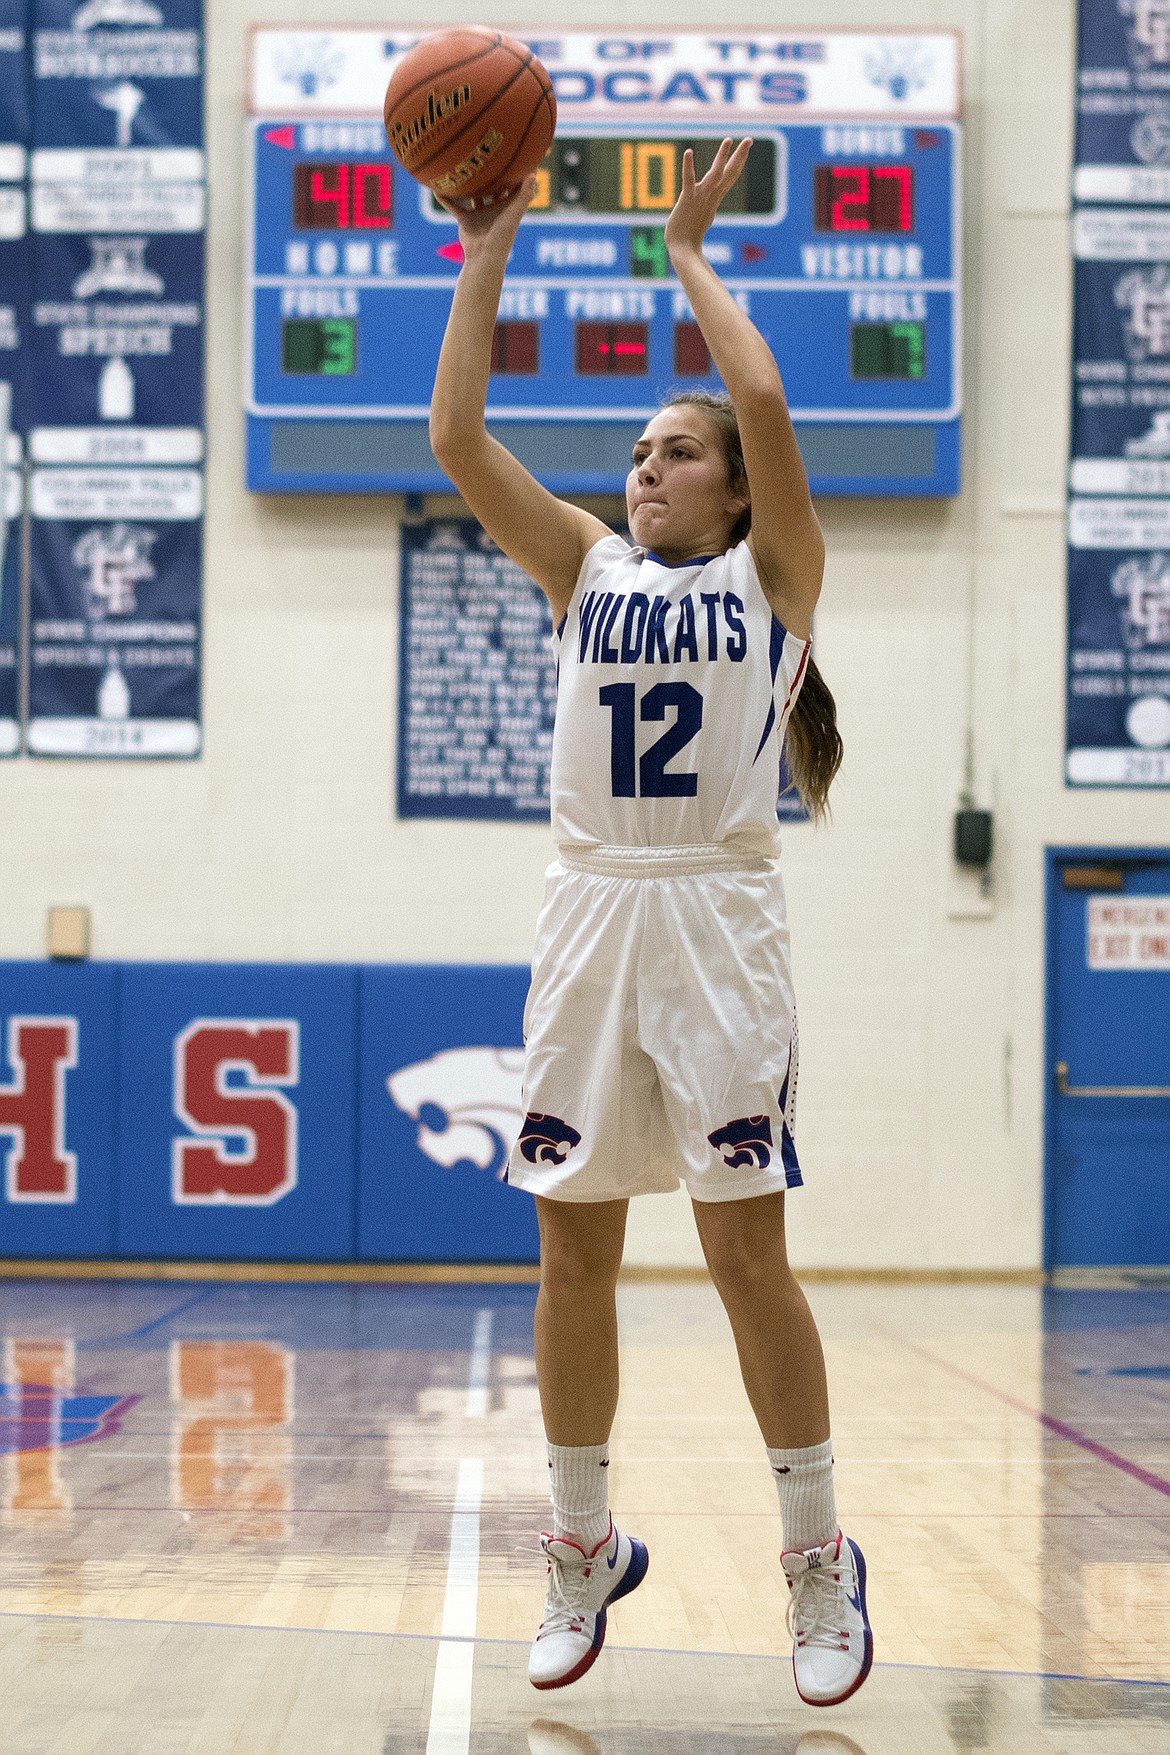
[
  {"x": 832, "y": 1644},
  {"x": 581, "y": 1587}
]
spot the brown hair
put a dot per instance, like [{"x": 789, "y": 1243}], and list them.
[{"x": 812, "y": 743}]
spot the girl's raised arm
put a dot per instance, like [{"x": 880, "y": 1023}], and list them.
[
  {"x": 548, "y": 537},
  {"x": 785, "y": 536}
]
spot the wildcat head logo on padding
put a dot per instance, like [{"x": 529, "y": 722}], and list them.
[
  {"x": 466, "y": 1102},
  {"x": 546, "y": 1139},
  {"x": 747, "y": 1141}
]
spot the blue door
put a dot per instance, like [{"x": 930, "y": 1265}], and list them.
[{"x": 1108, "y": 1110}]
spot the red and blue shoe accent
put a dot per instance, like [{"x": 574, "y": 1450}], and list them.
[
  {"x": 581, "y": 1587},
  {"x": 832, "y": 1641}
]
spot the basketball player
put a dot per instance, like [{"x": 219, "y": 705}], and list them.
[{"x": 660, "y": 1026}]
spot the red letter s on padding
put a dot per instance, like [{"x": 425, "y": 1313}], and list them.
[{"x": 267, "y": 1052}]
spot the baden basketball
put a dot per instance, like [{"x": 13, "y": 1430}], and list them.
[{"x": 470, "y": 113}]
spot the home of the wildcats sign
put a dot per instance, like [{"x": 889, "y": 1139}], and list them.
[{"x": 239, "y": 1112}]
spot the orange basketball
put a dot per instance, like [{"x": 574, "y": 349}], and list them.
[{"x": 469, "y": 113}]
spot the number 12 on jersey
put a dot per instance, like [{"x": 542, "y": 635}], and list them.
[{"x": 647, "y": 777}]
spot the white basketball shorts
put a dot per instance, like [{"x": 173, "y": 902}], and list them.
[{"x": 660, "y": 1029}]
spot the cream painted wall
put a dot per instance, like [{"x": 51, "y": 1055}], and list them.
[{"x": 922, "y": 1073}]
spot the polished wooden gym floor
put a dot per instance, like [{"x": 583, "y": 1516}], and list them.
[{"x": 277, "y": 1519}]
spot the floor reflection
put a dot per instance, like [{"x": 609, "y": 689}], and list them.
[
  {"x": 548, "y": 1737},
  {"x": 226, "y": 1516},
  {"x": 42, "y": 1413},
  {"x": 234, "y": 1403},
  {"x": 171, "y": 1688}
]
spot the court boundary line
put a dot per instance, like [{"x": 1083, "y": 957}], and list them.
[
  {"x": 146, "y": 1328},
  {"x": 749, "y": 1657},
  {"x": 1059, "y": 1428},
  {"x": 449, "y": 1727}
]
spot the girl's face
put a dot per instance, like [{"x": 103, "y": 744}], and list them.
[{"x": 677, "y": 498}]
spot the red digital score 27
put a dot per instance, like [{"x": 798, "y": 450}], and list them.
[
  {"x": 863, "y": 198},
  {"x": 339, "y": 197}
]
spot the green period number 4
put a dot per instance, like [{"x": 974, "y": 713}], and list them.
[{"x": 648, "y": 255}]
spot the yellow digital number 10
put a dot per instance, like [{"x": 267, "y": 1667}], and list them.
[{"x": 648, "y": 177}]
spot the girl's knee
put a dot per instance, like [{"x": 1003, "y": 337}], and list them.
[
  {"x": 744, "y": 1246},
  {"x": 580, "y": 1248}
]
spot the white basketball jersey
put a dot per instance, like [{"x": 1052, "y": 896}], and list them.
[{"x": 675, "y": 686}]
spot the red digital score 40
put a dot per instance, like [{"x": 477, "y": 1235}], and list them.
[
  {"x": 863, "y": 198},
  {"x": 338, "y": 197}
]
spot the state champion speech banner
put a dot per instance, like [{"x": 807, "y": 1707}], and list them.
[
  {"x": 1118, "y": 679},
  {"x": 115, "y": 349}
]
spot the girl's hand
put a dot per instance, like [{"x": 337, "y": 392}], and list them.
[
  {"x": 697, "y": 205},
  {"x": 491, "y": 231}
]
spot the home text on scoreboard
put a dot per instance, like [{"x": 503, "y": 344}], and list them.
[{"x": 841, "y": 242}]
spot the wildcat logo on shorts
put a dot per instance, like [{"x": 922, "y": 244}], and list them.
[
  {"x": 546, "y": 1139},
  {"x": 747, "y": 1141}
]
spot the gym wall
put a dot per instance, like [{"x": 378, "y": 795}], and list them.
[{"x": 921, "y": 1001}]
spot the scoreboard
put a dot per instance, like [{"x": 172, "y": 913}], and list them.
[{"x": 841, "y": 242}]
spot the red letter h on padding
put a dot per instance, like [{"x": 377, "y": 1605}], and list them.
[{"x": 37, "y": 1167}]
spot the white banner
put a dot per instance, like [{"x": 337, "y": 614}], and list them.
[
  {"x": 116, "y": 445},
  {"x": 130, "y": 168},
  {"x": 113, "y": 737},
  {"x": 642, "y": 75},
  {"x": 1119, "y": 524},
  {"x": 118, "y": 207},
  {"x": 1117, "y": 234},
  {"x": 1119, "y": 767},
  {"x": 13, "y": 213},
  {"x": 156, "y": 494},
  {"x": 1137, "y": 183},
  {"x": 1118, "y": 475}
]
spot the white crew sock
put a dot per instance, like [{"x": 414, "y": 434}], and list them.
[
  {"x": 579, "y": 1478},
  {"x": 808, "y": 1505}
]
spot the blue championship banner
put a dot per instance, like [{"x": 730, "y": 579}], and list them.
[
  {"x": 1123, "y": 101},
  {"x": 14, "y": 135},
  {"x": 477, "y": 683},
  {"x": 10, "y": 617},
  {"x": 118, "y": 206},
  {"x": 1118, "y": 700}
]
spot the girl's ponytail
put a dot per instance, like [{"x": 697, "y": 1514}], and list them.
[{"x": 812, "y": 742}]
